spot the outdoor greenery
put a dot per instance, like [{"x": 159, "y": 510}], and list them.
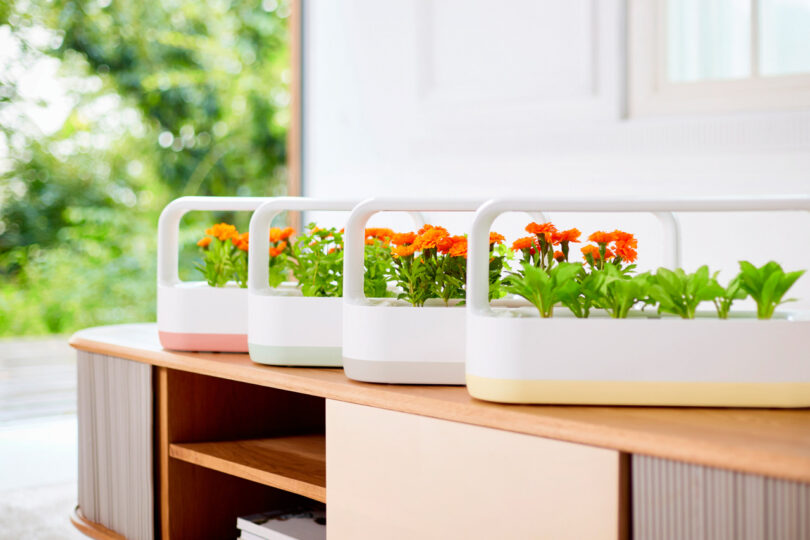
[{"x": 108, "y": 110}]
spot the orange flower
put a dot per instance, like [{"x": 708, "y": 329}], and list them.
[
  {"x": 204, "y": 242},
  {"x": 527, "y": 242},
  {"x": 276, "y": 251},
  {"x": 559, "y": 256},
  {"x": 371, "y": 241},
  {"x": 381, "y": 233},
  {"x": 332, "y": 249},
  {"x": 593, "y": 251},
  {"x": 403, "y": 250},
  {"x": 495, "y": 238},
  {"x": 625, "y": 251},
  {"x": 625, "y": 238},
  {"x": 430, "y": 238},
  {"x": 275, "y": 234},
  {"x": 601, "y": 237},
  {"x": 426, "y": 228},
  {"x": 286, "y": 233},
  {"x": 571, "y": 235},
  {"x": 445, "y": 244},
  {"x": 400, "y": 239},
  {"x": 545, "y": 229},
  {"x": 222, "y": 231},
  {"x": 241, "y": 241},
  {"x": 459, "y": 247}
]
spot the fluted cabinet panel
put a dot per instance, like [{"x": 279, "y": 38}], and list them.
[
  {"x": 115, "y": 444},
  {"x": 674, "y": 500}
]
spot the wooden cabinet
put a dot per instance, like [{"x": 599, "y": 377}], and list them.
[
  {"x": 397, "y": 475},
  {"x": 232, "y": 437}
]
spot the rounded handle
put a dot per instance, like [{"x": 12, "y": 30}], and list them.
[
  {"x": 478, "y": 246},
  {"x": 354, "y": 238},
  {"x": 169, "y": 227},
  {"x": 258, "y": 248}
]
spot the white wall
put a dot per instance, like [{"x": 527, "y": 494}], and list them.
[{"x": 484, "y": 99}]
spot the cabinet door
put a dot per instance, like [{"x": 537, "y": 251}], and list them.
[{"x": 397, "y": 475}]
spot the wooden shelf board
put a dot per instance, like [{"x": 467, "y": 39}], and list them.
[
  {"x": 295, "y": 463},
  {"x": 770, "y": 442}
]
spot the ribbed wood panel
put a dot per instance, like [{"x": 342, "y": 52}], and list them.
[
  {"x": 115, "y": 444},
  {"x": 674, "y": 500}
]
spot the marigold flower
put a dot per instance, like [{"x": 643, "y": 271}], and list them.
[
  {"x": 559, "y": 256},
  {"x": 545, "y": 230},
  {"x": 430, "y": 238},
  {"x": 400, "y": 239},
  {"x": 625, "y": 238},
  {"x": 527, "y": 242},
  {"x": 204, "y": 242},
  {"x": 459, "y": 247},
  {"x": 332, "y": 250},
  {"x": 286, "y": 233},
  {"x": 426, "y": 228},
  {"x": 241, "y": 241},
  {"x": 405, "y": 250},
  {"x": 495, "y": 238},
  {"x": 275, "y": 234},
  {"x": 591, "y": 250},
  {"x": 571, "y": 235},
  {"x": 222, "y": 231},
  {"x": 379, "y": 232},
  {"x": 625, "y": 251},
  {"x": 601, "y": 237},
  {"x": 276, "y": 251}
]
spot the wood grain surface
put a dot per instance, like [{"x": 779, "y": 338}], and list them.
[
  {"x": 92, "y": 529},
  {"x": 770, "y": 442},
  {"x": 296, "y": 464}
]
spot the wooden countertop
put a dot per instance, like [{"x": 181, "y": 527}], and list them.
[{"x": 772, "y": 442}]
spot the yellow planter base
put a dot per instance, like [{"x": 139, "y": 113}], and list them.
[{"x": 679, "y": 394}]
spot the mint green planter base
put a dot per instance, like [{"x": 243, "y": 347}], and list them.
[{"x": 296, "y": 356}]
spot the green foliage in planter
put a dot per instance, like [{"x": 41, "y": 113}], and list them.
[
  {"x": 680, "y": 293},
  {"x": 317, "y": 262},
  {"x": 497, "y": 262},
  {"x": 416, "y": 277},
  {"x": 615, "y": 291},
  {"x": 219, "y": 264},
  {"x": 732, "y": 292},
  {"x": 377, "y": 264},
  {"x": 545, "y": 288},
  {"x": 767, "y": 285}
]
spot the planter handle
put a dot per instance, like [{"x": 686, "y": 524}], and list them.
[
  {"x": 354, "y": 239},
  {"x": 258, "y": 250},
  {"x": 169, "y": 225},
  {"x": 478, "y": 274},
  {"x": 259, "y": 245}
]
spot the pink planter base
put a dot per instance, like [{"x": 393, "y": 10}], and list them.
[{"x": 204, "y": 342}]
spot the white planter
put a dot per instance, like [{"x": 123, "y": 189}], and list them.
[
  {"x": 397, "y": 344},
  {"x": 404, "y": 344},
  {"x": 289, "y": 329},
  {"x": 739, "y": 362},
  {"x": 294, "y": 330},
  {"x": 193, "y": 316}
]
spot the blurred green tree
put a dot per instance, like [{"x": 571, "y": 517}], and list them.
[{"x": 108, "y": 110}]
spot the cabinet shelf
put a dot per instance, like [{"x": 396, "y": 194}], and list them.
[{"x": 295, "y": 463}]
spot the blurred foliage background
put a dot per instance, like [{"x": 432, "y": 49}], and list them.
[{"x": 108, "y": 110}]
